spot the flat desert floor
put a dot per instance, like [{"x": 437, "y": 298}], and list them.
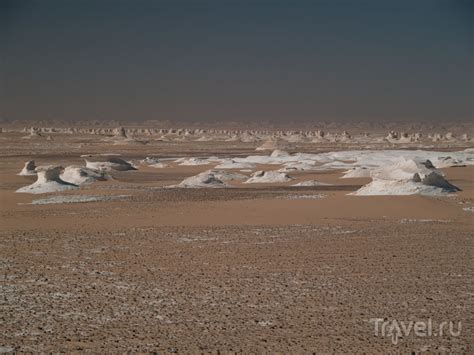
[{"x": 253, "y": 268}]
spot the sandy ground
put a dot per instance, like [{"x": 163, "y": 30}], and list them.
[{"x": 246, "y": 269}]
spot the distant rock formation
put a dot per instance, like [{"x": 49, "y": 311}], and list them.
[
  {"x": 274, "y": 143},
  {"x": 33, "y": 133}
]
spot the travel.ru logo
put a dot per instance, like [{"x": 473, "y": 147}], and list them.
[{"x": 396, "y": 329}]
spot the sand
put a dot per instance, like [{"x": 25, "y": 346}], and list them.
[{"x": 249, "y": 268}]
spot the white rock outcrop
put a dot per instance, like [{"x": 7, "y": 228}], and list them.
[
  {"x": 48, "y": 181},
  {"x": 29, "y": 169}
]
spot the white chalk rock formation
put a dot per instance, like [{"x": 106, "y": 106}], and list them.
[
  {"x": 120, "y": 138},
  {"x": 311, "y": 183},
  {"x": 109, "y": 163},
  {"x": 345, "y": 137},
  {"x": 210, "y": 179},
  {"x": 261, "y": 177},
  {"x": 80, "y": 175},
  {"x": 274, "y": 143},
  {"x": 228, "y": 176},
  {"x": 48, "y": 181},
  {"x": 248, "y": 137},
  {"x": 407, "y": 177},
  {"x": 402, "y": 137},
  {"x": 318, "y": 137},
  {"x": 305, "y": 165},
  {"x": 153, "y": 163},
  {"x": 437, "y": 137},
  {"x": 203, "y": 180},
  {"x": 204, "y": 139},
  {"x": 448, "y": 162},
  {"x": 358, "y": 172},
  {"x": 232, "y": 164},
  {"x": 449, "y": 136},
  {"x": 33, "y": 133},
  {"x": 279, "y": 154},
  {"x": 195, "y": 161},
  {"x": 120, "y": 133},
  {"x": 29, "y": 169},
  {"x": 163, "y": 138},
  {"x": 296, "y": 138},
  {"x": 233, "y": 138}
]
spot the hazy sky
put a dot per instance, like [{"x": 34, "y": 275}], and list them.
[{"x": 230, "y": 60}]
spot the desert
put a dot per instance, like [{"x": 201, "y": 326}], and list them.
[
  {"x": 236, "y": 177},
  {"x": 191, "y": 245}
]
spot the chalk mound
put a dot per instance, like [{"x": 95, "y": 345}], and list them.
[
  {"x": 358, "y": 172},
  {"x": 163, "y": 138},
  {"x": 311, "y": 183},
  {"x": 80, "y": 175},
  {"x": 344, "y": 137},
  {"x": 407, "y": 177},
  {"x": 233, "y": 138},
  {"x": 232, "y": 164},
  {"x": 448, "y": 162},
  {"x": 318, "y": 137},
  {"x": 228, "y": 176},
  {"x": 274, "y": 143},
  {"x": 296, "y": 138},
  {"x": 261, "y": 176},
  {"x": 204, "y": 139},
  {"x": 192, "y": 161},
  {"x": 29, "y": 169},
  {"x": 109, "y": 163},
  {"x": 248, "y": 137},
  {"x": 119, "y": 132},
  {"x": 203, "y": 180},
  {"x": 398, "y": 188},
  {"x": 48, "y": 181},
  {"x": 153, "y": 162},
  {"x": 197, "y": 161},
  {"x": 298, "y": 166},
  {"x": 210, "y": 179},
  {"x": 33, "y": 133},
  {"x": 405, "y": 169},
  {"x": 277, "y": 153},
  {"x": 120, "y": 138}
]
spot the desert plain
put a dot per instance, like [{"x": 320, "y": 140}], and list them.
[{"x": 226, "y": 241}]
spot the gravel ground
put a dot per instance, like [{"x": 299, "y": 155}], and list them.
[{"x": 299, "y": 288}]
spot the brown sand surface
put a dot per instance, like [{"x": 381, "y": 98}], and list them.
[{"x": 247, "y": 269}]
